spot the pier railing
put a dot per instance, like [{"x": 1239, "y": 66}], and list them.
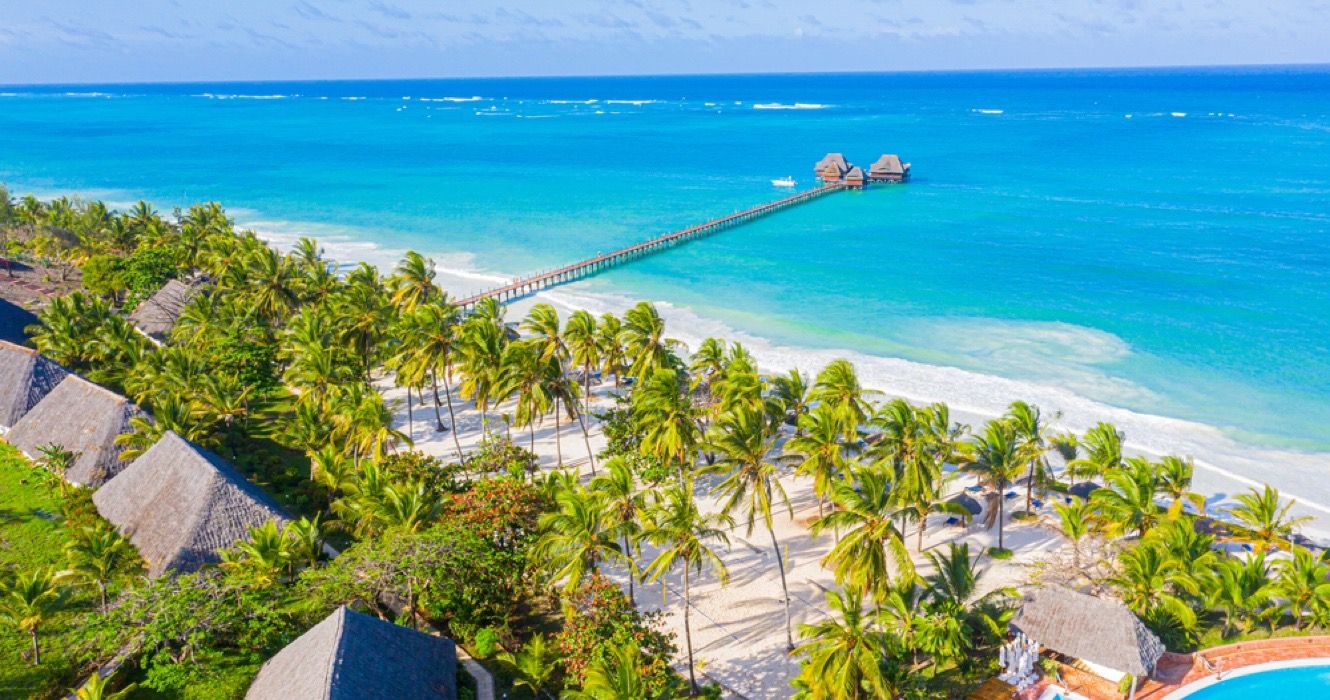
[{"x": 543, "y": 280}]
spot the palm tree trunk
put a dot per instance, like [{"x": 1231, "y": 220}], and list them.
[
  {"x": 586, "y": 439},
  {"x": 586, "y": 388},
  {"x": 1029, "y": 488},
  {"x": 558, "y": 443},
  {"x": 923, "y": 525},
  {"x": 1002, "y": 502},
  {"x": 531, "y": 424},
  {"x": 37, "y": 651},
  {"x": 780, "y": 564},
  {"x": 631, "y": 598},
  {"x": 101, "y": 588},
  {"x": 410, "y": 414},
  {"x": 452, "y": 417},
  {"x": 438, "y": 417},
  {"x": 687, "y": 632}
]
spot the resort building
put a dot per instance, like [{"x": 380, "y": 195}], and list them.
[
  {"x": 26, "y": 377},
  {"x": 854, "y": 178},
  {"x": 831, "y": 168},
  {"x": 1094, "y": 634},
  {"x": 180, "y": 505},
  {"x": 157, "y": 315},
  {"x": 83, "y": 418},
  {"x": 889, "y": 168},
  {"x": 352, "y": 656}
]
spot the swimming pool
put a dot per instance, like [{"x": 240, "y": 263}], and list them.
[{"x": 1309, "y": 678}]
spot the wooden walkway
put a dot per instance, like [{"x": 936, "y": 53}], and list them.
[{"x": 585, "y": 268}]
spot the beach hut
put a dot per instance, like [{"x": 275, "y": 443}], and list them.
[
  {"x": 156, "y": 315},
  {"x": 831, "y": 168},
  {"x": 352, "y": 656},
  {"x": 26, "y": 377},
  {"x": 1102, "y": 634},
  {"x": 854, "y": 178},
  {"x": 180, "y": 504},
  {"x": 889, "y": 168},
  {"x": 83, "y": 418}
]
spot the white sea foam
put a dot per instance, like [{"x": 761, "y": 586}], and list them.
[
  {"x": 1179, "y": 115},
  {"x": 473, "y": 98},
  {"x": 569, "y": 102},
  {"x": 781, "y": 105},
  {"x": 987, "y": 111},
  {"x": 637, "y": 103},
  {"x": 353, "y": 98},
  {"x": 224, "y": 96},
  {"x": 88, "y": 94}
]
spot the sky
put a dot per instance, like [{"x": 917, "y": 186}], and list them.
[{"x": 93, "y": 41}]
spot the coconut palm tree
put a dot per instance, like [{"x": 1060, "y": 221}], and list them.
[
  {"x": 524, "y": 374},
  {"x": 263, "y": 559},
  {"x": 819, "y": 451},
  {"x": 870, "y": 541},
  {"x": 684, "y": 535},
  {"x": 577, "y": 537},
  {"x": 1102, "y": 445},
  {"x": 406, "y": 507},
  {"x": 583, "y": 342},
  {"x": 668, "y": 419},
  {"x": 93, "y": 555},
  {"x": 27, "y": 601},
  {"x": 1239, "y": 589},
  {"x": 1175, "y": 475},
  {"x": 617, "y": 676},
  {"x": 844, "y": 653},
  {"x": 99, "y": 688},
  {"x": 921, "y": 494},
  {"x": 645, "y": 344},
  {"x": 1128, "y": 502},
  {"x": 791, "y": 392},
  {"x": 429, "y": 335},
  {"x": 743, "y": 438},
  {"x": 613, "y": 354},
  {"x": 1151, "y": 582},
  {"x": 413, "y": 282},
  {"x": 1265, "y": 519},
  {"x": 483, "y": 344},
  {"x": 998, "y": 461},
  {"x": 1076, "y": 520},
  {"x": 1033, "y": 434},
  {"x": 838, "y": 385},
  {"x": 625, "y": 504},
  {"x": 534, "y": 666},
  {"x": 1303, "y": 583}
]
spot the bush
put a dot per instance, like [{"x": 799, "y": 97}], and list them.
[
  {"x": 487, "y": 642},
  {"x": 145, "y": 272},
  {"x": 601, "y": 620},
  {"x": 1000, "y": 553},
  {"x": 498, "y": 455},
  {"x": 104, "y": 275},
  {"x": 622, "y": 433}
]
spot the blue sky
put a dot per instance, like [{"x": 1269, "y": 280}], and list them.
[{"x": 182, "y": 40}]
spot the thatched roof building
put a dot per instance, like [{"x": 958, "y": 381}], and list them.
[
  {"x": 156, "y": 315},
  {"x": 832, "y": 167},
  {"x": 83, "y": 418},
  {"x": 180, "y": 504},
  {"x": 1097, "y": 630},
  {"x": 888, "y": 168},
  {"x": 26, "y": 377},
  {"x": 854, "y": 177},
  {"x": 354, "y": 656}
]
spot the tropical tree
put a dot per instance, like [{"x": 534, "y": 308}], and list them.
[
  {"x": 684, "y": 535},
  {"x": 1175, "y": 475},
  {"x": 645, "y": 344},
  {"x": 580, "y": 335},
  {"x": 1303, "y": 584},
  {"x": 428, "y": 347},
  {"x": 998, "y": 461},
  {"x": 625, "y": 504},
  {"x": 1076, "y": 520},
  {"x": 613, "y": 354},
  {"x": 26, "y": 602},
  {"x": 844, "y": 654},
  {"x": 413, "y": 282},
  {"x": 99, "y": 688},
  {"x": 577, "y": 537},
  {"x": 524, "y": 374},
  {"x": 838, "y": 386},
  {"x": 1265, "y": 519},
  {"x": 1151, "y": 582},
  {"x": 617, "y": 676},
  {"x": 819, "y": 451},
  {"x": 1239, "y": 589},
  {"x": 667, "y": 418},
  {"x": 534, "y": 666},
  {"x": 1102, "y": 445},
  {"x": 1033, "y": 435},
  {"x": 262, "y": 560},
  {"x": 791, "y": 392},
  {"x": 1128, "y": 502},
  {"x": 93, "y": 555},
  {"x": 483, "y": 345},
  {"x": 870, "y": 541}
]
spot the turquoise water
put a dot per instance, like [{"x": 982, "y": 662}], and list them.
[
  {"x": 1157, "y": 241},
  {"x": 1304, "y": 682}
]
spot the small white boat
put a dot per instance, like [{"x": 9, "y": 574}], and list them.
[{"x": 783, "y": 182}]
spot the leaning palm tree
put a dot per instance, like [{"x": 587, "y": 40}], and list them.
[
  {"x": 625, "y": 504},
  {"x": 1265, "y": 518},
  {"x": 845, "y": 652},
  {"x": 998, "y": 461},
  {"x": 577, "y": 537},
  {"x": 27, "y": 601},
  {"x": 744, "y": 438},
  {"x": 870, "y": 541},
  {"x": 684, "y": 535},
  {"x": 93, "y": 555}
]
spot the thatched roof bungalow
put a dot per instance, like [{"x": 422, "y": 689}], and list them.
[
  {"x": 156, "y": 315},
  {"x": 26, "y": 377},
  {"x": 83, "y": 418},
  {"x": 831, "y": 168},
  {"x": 352, "y": 656},
  {"x": 180, "y": 504},
  {"x": 855, "y": 177},
  {"x": 1103, "y": 634},
  {"x": 889, "y": 168}
]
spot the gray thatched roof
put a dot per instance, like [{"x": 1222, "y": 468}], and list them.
[
  {"x": 26, "y": 377},
  {"x": 968, "y": 503},
  {"x": 855, "y": 173},
  {"x": 888, "y": 164},
  {"x": 1098, "y": 630},
  {"x": 156, "y": 315},
  {"x": 81, "y": 417},
  {"x": 350, "y": 656},
  {"x": 180, "y": 504},
  {"x": 835, "y": 159},
  {"x": 1083, "y": 489}
]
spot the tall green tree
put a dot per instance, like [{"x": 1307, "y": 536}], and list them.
[
  {"x": 998, "y": 461},
  {"x": 870, "y": 542},
  {"x": 26, "y": 603}
]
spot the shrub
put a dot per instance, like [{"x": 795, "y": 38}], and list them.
[
  {"x": 600, "y": 620},
  {"x": 145, "y": 272},
  {"x": 104, "y": 275},
  {"x": 498, "y": 455},
  {"x": 487, "y": 642}
]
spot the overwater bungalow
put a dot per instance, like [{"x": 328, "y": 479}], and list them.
[
  {"x": 855, "y": 178},
  {"x": 352, "y": 656},
  {"x": 832, "y": 168},
  {"x": 889, "y": 168},
  {"x": 180, "y": 505},
  {"x": 83, "y": 418}
]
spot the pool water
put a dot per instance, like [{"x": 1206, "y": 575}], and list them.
[{"x": 1299, "y": 682}]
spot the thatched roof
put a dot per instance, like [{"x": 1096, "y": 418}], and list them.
[
  {"x": 888, "y": 164},
  {"x": 81, "y": 417},
  {"x": 855, "y": 173},
  {"x": 26, "y": 377},
  {"x": 1087, "y": 627},
  {"x": 968, "y": 503},
  {"x": 1083, "y": 489},
  {"x": 354, "y": 656},
  {"x": 832, "y": 159},
  {"x": 180, "y": 504},
  {"x": 156, "y": 315}
]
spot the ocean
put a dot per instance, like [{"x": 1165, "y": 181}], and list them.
[{"x": 1150, "y": 247}]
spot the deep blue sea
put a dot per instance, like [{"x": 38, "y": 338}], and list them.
[{"x": 1139, "y": 245}]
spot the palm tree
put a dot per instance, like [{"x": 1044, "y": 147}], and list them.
[
  {"x": 413, "y": 282},
  {"x": 1075, "y": 522},
  {"x": 93, "y": 556},
  {"x": 613, "y": 354},
  {"x": 1149, "y": 580},
  {"x": 998, "y": 461},
  {"x": 263, "y": 559},
  {"x": 791, "y": 392},
  {"x": 429, "y": 338},
  {"x": 819, "y": 449},
  {"x": 838, "y": 385},
  {"x": 646, "y": 346},
  {"x": 534, "y": 666},
  {"x": 625, "y": 504},
  {"x": 484, "y": 341},
  {"x": 668, "y": 419},
  {"x": 580, "y": 334},
  {"x": 844, "y": 653},
  {"x": 1175, "y": 474},
  {"x": 407, "y": 507},
  {"x": 1103, "y": 452},
  {"x": 683, "y": 534},
  {"x": 524, "y": 374},
  {"x": 1303, "y": 583},
  {"x": 99, "y": 688},
  {"x": 26, "y": 602},
  {"x": 1129, "y": 500},
  {"x": 617, "y": 676},
  {"x": 743, "y": 438},
  {"x": 922, "y": 497},
  {"x": 577, "y": 538},
  {"x": 1032, "y": 433},
  {"x": 870, "y": 541},
  {"x": 1265, "y": 519},
  {"x": 1239, "y": 589}
]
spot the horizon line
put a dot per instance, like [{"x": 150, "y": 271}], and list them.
[{"x": 715, "y": 74}]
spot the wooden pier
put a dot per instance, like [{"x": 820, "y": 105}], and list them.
[{"x": 585, "y": 268}]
